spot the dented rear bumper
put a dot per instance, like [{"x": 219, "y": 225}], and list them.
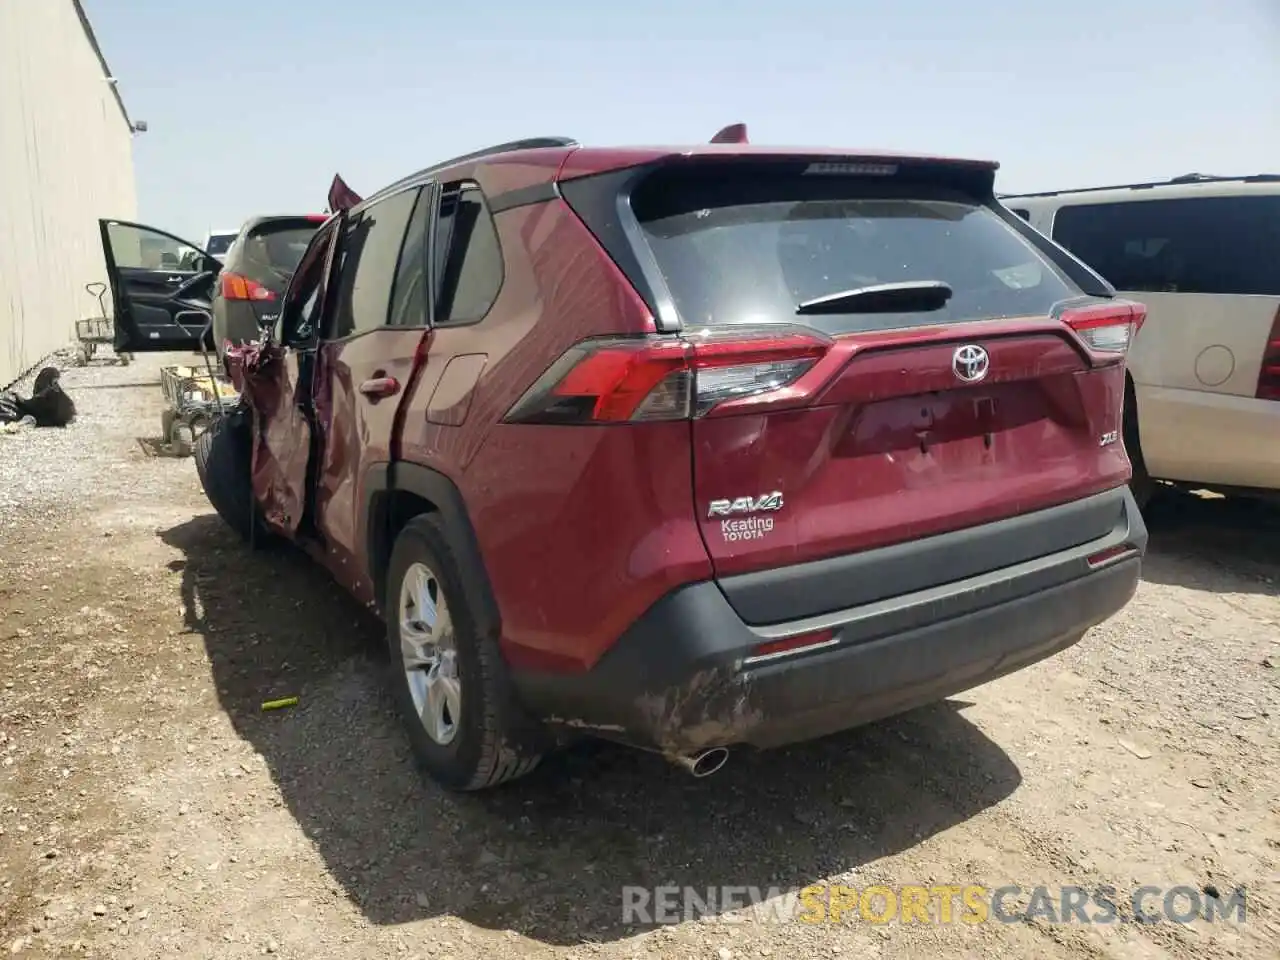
[{"x": 681, "y": 679}]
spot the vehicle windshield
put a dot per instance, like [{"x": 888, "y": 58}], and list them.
[{"x": 754, "y": 248}]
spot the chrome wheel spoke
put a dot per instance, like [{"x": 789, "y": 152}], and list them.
[
  {"x": 433, "y": 612},
  {"x": 434, "y": 710},
  {"x": 451, "y": 693},
  {"x": 416, "y": 651}
]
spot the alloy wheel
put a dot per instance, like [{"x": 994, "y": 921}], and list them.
[{"x": 429, "y": 654}]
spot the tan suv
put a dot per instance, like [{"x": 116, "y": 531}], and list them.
[{"x": 1203, "y": 253}]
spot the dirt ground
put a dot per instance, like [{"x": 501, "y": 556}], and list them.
[{"x": 149, "y": 807}]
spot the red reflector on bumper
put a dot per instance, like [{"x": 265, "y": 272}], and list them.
[
  {"x": 786, "y": 645},
  {"x": 1112, "y": 554}
]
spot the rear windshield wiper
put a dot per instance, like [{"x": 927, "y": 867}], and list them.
[{"x": 911, "y": 296}]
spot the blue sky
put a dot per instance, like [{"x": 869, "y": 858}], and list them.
[{"x": 253, "y": 106}]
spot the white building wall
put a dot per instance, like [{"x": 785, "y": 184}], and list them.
[{"x": 66, "y": 158}]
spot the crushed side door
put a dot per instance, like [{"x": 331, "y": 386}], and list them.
[{"x": 275, "y": 378}]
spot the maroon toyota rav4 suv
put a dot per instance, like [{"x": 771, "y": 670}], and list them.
[{"x": 689, "y": 448}]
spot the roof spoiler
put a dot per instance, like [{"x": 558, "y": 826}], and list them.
[
  {"x": 341, "y": 197},
  {"x": 734, "y": 133}
]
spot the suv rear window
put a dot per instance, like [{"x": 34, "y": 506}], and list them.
[
  {"x": 743, "y": 247},
  {"x": 1190, "y": 245},
  {"x": 271, "y": 252}
]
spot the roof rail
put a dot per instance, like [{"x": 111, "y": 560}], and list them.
[
  {"x": 1185, "y": 178},
  {"x": 529, "y": 143}
]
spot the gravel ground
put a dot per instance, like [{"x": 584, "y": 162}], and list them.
[
  {"x": 45, "y": 473},
  {"x": 148, "y": 807}
]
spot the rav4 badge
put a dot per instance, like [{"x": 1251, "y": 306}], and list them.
[{"x": 744, "y": 505}]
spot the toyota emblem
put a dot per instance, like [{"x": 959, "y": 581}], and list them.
[{"x": 970, "y": 363}]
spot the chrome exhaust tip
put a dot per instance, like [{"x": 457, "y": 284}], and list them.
[{"x": 705, "y": 763}]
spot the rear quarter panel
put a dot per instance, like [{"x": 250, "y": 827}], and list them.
[
  {"x": 1210, "y": 438},
  {"x": 1202, "y": 342},
  {"x": 580, "y": 528},
  {"x": 1195, "y": 367}
]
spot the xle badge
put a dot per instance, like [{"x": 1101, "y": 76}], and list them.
[{"x": 741, "y": 525}]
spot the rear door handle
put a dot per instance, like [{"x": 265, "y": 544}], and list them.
[{"x": 380, "y": 387}]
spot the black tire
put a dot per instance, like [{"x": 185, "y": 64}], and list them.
[
  {"x": 495, "y": 741},
  {"x": 223, "y": 455},
  {"x": 1141, "y": 485}
]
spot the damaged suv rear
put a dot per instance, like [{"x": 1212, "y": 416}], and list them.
[{"x": 689, "y": 448}]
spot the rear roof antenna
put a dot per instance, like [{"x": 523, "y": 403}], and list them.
[{"x": 734, "y": 133}]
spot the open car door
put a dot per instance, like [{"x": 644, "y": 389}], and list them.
[
  {"x": 161, "y": 287},
  {"x": 276, "y": 377}
]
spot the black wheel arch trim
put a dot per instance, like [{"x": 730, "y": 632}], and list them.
[{"x": 436, "y": 488}]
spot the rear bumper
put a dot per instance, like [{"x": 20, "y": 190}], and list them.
[{"x": 677, "y": 680}]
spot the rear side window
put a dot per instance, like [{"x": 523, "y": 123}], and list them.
[
  {"x": 743, "y": 248},
  {"x": 1222, "y": 245},
  {"x": 469, "y": 267},
  {"x": 370, "y": 253}
]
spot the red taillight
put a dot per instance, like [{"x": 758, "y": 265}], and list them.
[
  {"x": 1107, "y": 328},
  {"x": 1269, "y": 375},
  {"x": 620, "y": 379},
  {"x": 318, "y": 217},
  {"x": 236, "y": 287}
]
